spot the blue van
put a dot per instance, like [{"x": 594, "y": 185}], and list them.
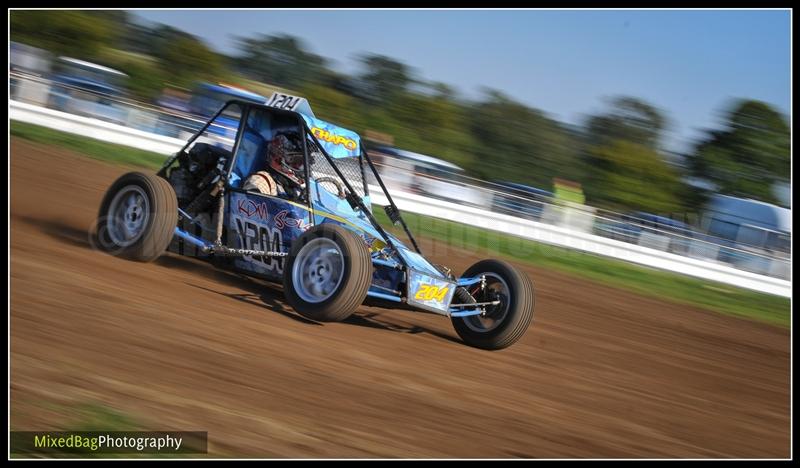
[
  {"x": 208, "y": 98},
  {"x": 519, "y": 200},
  {"x": 88, "y": 89}
]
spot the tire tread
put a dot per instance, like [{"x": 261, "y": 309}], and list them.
[
  {"x": 163, "y": 212},
  {"x": 357, "y": 279},
  {"x": 521, "y": 313}
]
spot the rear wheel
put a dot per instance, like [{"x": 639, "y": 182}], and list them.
[
  {"x": 137, "y": 217},
  {"x": 505, "y": 322},
  {"x": 327, "y": 273}
]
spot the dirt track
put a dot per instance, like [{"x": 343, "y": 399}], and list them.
[{"x": 181, "y": 346}]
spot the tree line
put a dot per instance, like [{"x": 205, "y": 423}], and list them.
[{"x": 617, "y": 155}]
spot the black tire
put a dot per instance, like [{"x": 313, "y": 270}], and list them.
[
  {"x": 518, "y": 311},
  {"x": 158, "y": 228},
  {"x": 351, "y": 289}
]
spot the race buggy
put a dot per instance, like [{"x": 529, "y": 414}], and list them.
[{"x": 323, "y": 242}]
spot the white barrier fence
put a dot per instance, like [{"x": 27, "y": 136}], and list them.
[
  {"x": 93, "y": 128},
  {"x": 545, "y": 233}
]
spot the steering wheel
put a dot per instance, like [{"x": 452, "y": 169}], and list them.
[{"x": 334, "y": 181}]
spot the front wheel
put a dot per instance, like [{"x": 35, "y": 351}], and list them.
[
  {"x": 137, "y": 217},
  {"x": 505, "y": 322},
  {"x": 328, "y": 273}
]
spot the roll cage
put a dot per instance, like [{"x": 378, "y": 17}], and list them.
[{"x": 355, "y": 201}]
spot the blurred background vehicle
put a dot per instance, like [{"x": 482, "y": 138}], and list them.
[
  {"x": 649, "y": 230},
  {"x": 174, "y": 105},
  {"x": 86, "y": 88},
  {"x": 208, "y": 98},
  {"x": 743, "y": 227},
  {"x": 184, "y": 111},
  {"x": 23, "y": 58},
  {"x": 520, "y": 200},
  {"x": 419, "y": 173},
  {"x": 25, "y": 63}
]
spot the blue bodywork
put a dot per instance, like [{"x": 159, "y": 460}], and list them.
[
  {"x": 210, "y": 97},
  {"x": 254, "y": 221}
]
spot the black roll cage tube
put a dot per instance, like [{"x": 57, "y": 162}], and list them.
[
  {"x": 357, "y": 200},
  {"x": 162, "y": 172},
  {"x": 351, "y": 197},
  {"x": 389, "y": 198}
]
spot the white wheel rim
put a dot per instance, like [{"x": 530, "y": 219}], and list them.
[
  {"x": 127, "y": 215},
  {"x": 318, "y": 270}
]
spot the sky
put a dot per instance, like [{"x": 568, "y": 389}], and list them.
[{"x": 689, "y": 64}]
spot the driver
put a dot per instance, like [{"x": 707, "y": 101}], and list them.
[{"x": 285, "y": 174}]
